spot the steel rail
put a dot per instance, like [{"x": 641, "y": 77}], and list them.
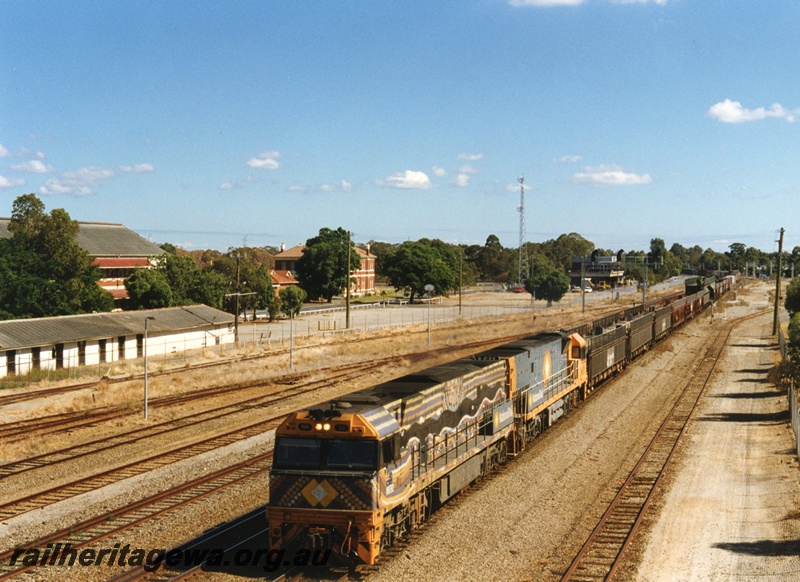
[{"x": 600, "y": 556}]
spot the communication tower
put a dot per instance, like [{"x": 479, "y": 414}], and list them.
[{"x": 523, "y": 250}]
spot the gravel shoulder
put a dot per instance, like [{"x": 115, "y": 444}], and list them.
[{"x": 731, "y": 511}]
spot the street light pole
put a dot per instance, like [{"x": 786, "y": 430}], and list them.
[
  {"x": 144, "y": 347},
  {"x": 291, "y": 340},
  {"x": 429, "y": 288}
]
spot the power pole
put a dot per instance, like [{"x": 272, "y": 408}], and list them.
[
  {"x": 523, "y": 251},
  {"x": 777, "y": 285},
  {"x": 460, "y": 276},
  {"x": 347, "y": 287}
]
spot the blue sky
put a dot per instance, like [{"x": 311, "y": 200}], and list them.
[{"x": 218, "y": 124}]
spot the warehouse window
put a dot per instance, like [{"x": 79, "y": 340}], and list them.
[
  {"x": 36, "y": 354},
  {"x": 11, "y": 361}
]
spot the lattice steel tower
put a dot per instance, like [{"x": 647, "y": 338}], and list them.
[{"x": 523, "y": 250}]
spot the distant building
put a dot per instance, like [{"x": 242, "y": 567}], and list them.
[
  {"x": 54, "y": 343},
  {"x": 115, "y": 249},
  {"x": 282, "y": 279},
  {"x": 600, "y": 271},
  {"x": 364, "y": 276}
]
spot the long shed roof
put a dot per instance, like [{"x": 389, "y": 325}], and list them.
[
  {"x": 103, "y": 239},
  {"x": 45, "y": 331}
]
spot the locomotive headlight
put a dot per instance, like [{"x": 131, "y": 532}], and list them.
[
  {"x": 326, "y": 426},
  {"x": 318, "y": 426}
]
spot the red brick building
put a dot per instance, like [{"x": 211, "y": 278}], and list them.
[
  {"x": 115, "y": 249},
  {"x": 364, "y": 277}
]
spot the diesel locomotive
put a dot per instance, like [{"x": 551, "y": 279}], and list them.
[{"x": 355, "y": 473}]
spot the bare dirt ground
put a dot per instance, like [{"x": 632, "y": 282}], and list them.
[{"x": 731, "y": 510}]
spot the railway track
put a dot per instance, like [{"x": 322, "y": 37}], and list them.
[
  {"x": 101, "y": 527},
  {"x": 339, "y": 374},
  {"x": 69, "y": 421},
  {"x": 95, "y": 481},
  {"x": 40, "y": 499},
  {"x": 602, "y": 554}
]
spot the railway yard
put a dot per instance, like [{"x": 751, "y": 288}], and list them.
[{"x": 81, "y": 467}]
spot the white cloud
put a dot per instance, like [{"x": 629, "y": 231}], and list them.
[
  {"x": 3, "y": 151},
  {"x": 265, "y": 160},
  {"x": 462, "y": 180},
  {"x": 409, "y": 179},
  {"x": 344, "y": 186},
  {"x": 439, "y": 172},
  {"x": 78, "y": 183},
  {"x": 610, "y": 176},
  {"x": 732, "y": 112},
  {"x": 470, "y": 157},
  {"x": 297, "y": 189},
  {"x": 33, "y": 167},
  {"x": 467, "y": 169},
  {"x": 514, "y": 188},
  {"x": 524, "y": 3},
  {"x": 10, "y": 182},
  {"x": 659, "y": 2},
  {"x": 226, "y": 186},
  {"x": 138, "y": 168},
  {"x": 569, "y": 159}
]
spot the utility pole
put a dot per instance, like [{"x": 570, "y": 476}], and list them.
[
  {"x": 347, "y": 287},
  {"x": 236, "y": 319},
  {"x": 460, "y": 276},
  {"x": 777, "y": 285}
]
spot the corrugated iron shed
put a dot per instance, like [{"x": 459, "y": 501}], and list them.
[{"x": 23, "y": 333}]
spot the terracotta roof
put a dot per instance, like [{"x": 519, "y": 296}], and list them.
[
  {"x": 293, "y": 253},
  {"x": 282, "y": 278}
]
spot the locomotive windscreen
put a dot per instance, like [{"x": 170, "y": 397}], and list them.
[{"x": 326, "y": 454}]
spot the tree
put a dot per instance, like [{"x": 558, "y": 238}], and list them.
[
  {"x": 550, "y": 285},
  {"x": 323, "y": 270},
  {"x": 416, "y": 264},
  {"x": 46, "y": 271},
  {"x": 493, "y": 261},
  {"x": 380, "y": 250},
  {"x": 792, "y": 299},
  {"x": 794, "y": 340},
  {"x": 292, "y": 299},
  {"x": 261, "y": 285},
  {"x": 148, "y": 289},
  {"x": 561, "y": 250}
]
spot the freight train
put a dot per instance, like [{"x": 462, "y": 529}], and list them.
[{"x": 354, "y": 474}]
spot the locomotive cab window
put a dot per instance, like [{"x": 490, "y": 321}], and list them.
[
  {"x": 326, "y": 454},
  {"x": 298, "y": 453},
  {"x": 351, "y": 455}
]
